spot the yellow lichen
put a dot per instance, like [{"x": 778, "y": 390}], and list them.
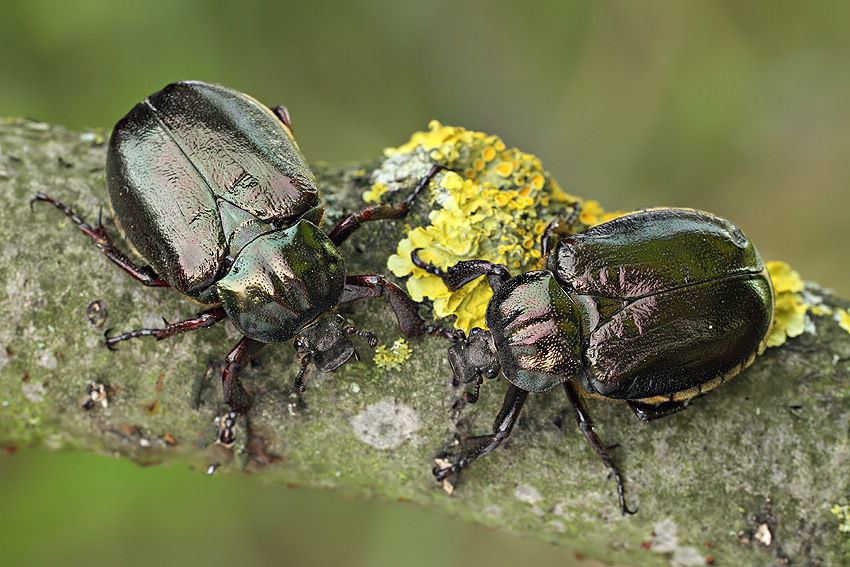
[
  {"x": 842, "y": 512},
  {"x": 393, "y": 357},
  {"x": 374, "y": 194},
  {"x": 490, "y": 205},
  {"x": 843, "y": 318},
  {"x": 820, "y": 310},
  {"x": 790, "y": 314}
]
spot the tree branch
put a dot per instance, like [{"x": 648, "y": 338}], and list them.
[{"x": 771, "y": 447}]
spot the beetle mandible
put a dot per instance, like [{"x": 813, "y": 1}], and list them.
[
  {"x": 209, "y": 187},
  {"x": 653, "y": 308}
]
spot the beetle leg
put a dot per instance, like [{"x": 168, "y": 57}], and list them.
[
  {"x": 586, "y": 426},
  {"x": 370, "y": 337},
  {"x": 454, "y": 335},
  {"x": 234, "y": 393},
  {"x": 457, "y": 276},
  {"x": 380, "y": 211},
  {"x": 376, "y": 285},
  {"x": 456, "y": 457},
  {"x": 295, "y": 399},
  {"x": 649, "y": 412},
  {"x": 206, "y": 318},
  {"x": 226, "y": 434},
  {"x": 101, "y": 239},
  {"x": 283, "y": 115},
  {"x": 560, "y": 227}
]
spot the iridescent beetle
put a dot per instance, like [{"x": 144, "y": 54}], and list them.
[
  {"x": 652, "y": 308},
  {"x": 209, "y": 187}
]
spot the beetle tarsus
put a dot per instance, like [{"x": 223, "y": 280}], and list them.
[
  {"x": 298, "y": 385},
  {"x": 226, "y": 433},
  {"x": 371, "y": 338},
  {"x": 283, "y": 115}
]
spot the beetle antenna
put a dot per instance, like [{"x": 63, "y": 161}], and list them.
[{"x": 472, "y": 397}]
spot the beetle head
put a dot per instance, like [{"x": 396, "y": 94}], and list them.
[
  {"x": 326, "y": 342},
  {"x": 474, "y": 357}
]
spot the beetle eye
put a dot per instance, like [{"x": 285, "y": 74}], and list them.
[{"x": 491, "y": 372}]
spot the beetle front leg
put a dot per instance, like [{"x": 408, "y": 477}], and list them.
[
  {"x": 457, "y": 276},
  {"x": 457, "y": 456},
  {"x": 296, "y": 400},
  {"x": 101, "y": 239},
  {"x": 204, "y": 319},
  {"x": 380, "y": 211},
  {"x": 376, "y": 285},
  {"x": 235, "y": 395},
  {"x": 586, "y": 426}
]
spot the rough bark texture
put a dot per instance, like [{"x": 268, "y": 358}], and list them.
[{"x": 770, "y": 450}]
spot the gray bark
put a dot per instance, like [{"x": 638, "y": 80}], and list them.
[{"x": 770, "y": 448}]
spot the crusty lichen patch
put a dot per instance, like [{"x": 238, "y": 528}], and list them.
[
  {"x": 393, "y": 356},
  {"x": 794, "y": 304},
  {"x": 386, "y": 424},
  {"x": 492, "y": 204},
  {"x": 790, "y": 313}
]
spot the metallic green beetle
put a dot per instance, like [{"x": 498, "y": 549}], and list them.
[
  {"x": 209, "y": 187},
  {"x": 652, "y": 308}
]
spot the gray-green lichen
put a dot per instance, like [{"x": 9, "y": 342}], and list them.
[{"x": 770, "y": 448}]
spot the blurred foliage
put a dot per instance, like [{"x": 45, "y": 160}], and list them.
[{"x": 738, "y": 108}]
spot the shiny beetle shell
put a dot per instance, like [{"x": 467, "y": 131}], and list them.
[
  {"x": 180, "y": 150},
  {"x": 657, "y": 305}
]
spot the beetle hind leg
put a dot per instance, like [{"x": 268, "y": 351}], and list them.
[
  {"x": 648, "y": 412},
  {"x": 458, "y": 455},
  {"x": 101, "y": 239},
  {"x": 586, "y": 426},
  {"x": 203, "y": 319}
]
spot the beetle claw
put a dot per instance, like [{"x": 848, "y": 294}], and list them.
[{"x": 108, "y": 341}]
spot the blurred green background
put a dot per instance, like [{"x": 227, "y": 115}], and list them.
[{"x": 738, "y": 108}]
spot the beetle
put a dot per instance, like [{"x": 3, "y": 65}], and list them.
[
  {"x": 209, "y": 187},
  {"x": 653, "y": 308}
]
